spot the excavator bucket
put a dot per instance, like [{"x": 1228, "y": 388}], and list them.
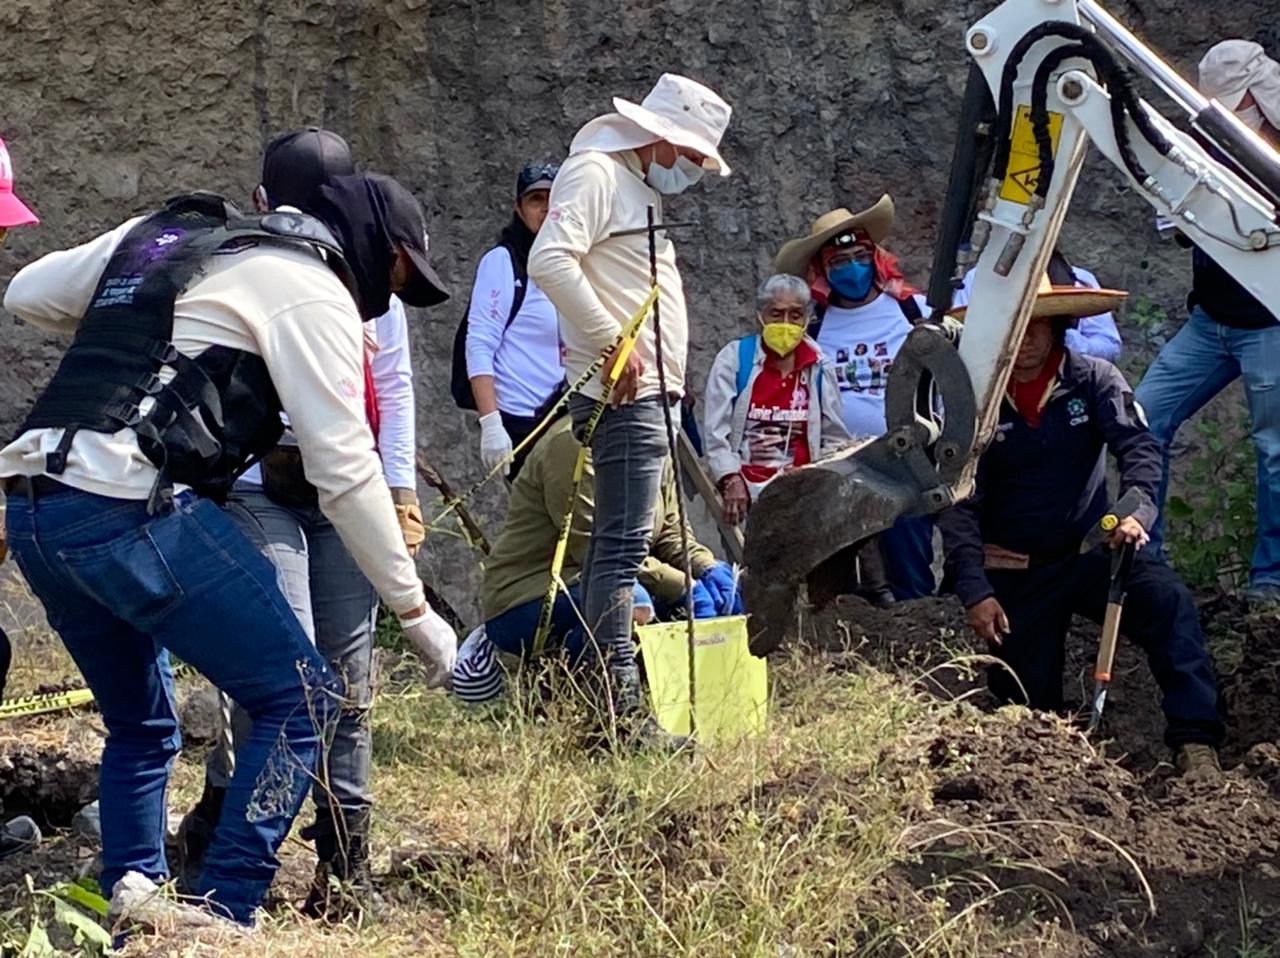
[
  {"x": 789, "y": 541},
  {"x": 807, "y": 524}
]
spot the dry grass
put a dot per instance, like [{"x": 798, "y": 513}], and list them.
[{"x": 499, "y": 835}]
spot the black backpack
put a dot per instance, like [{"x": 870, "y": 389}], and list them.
[{"x": 460, "y": 382}]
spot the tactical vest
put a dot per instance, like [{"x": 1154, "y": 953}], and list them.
[{"x": 220, "y": 411}]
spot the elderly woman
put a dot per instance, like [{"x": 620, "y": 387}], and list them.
[{"x": 772, "y": 400}]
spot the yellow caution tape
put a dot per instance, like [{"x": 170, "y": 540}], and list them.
[
  {"x": 40, "y": 704},
  {"x": 624, "y": 344},
  {"x": 60, "y": 701},
  {"x": 627, "y": 343}
]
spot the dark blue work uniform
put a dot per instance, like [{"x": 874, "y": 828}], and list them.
[{"x": 1039, "y": 493}]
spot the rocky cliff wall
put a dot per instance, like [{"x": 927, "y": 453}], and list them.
[{"x": 110, "y": 106}]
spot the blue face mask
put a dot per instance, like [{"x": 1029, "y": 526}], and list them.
[{"x": 852, "y": 280}]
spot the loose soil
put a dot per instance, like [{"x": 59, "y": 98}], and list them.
[
  {"x": 1099, "y": 839},
  {"x": 1096, "y": 846}
]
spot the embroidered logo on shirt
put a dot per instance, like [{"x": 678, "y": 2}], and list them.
[
  {"x": 348, "y": 388},
  {"x": 1077, "y": 411}
]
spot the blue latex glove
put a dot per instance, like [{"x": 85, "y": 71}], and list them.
[
  {"x": 719, "y": 582},
  {"x": 704, "y": 607}
]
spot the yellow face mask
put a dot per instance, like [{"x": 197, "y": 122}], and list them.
[{"x": 782, "y": 338}]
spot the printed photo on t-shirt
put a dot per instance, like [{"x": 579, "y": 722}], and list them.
[{"x": 863, "y": 367}]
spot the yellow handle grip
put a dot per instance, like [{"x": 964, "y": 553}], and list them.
[{"x": 1109, "y": 522}]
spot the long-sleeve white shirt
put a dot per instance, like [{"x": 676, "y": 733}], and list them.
[
  {"x": 283, "y": 305},
  {"x": 392, "y": 369},
  {"x": 1094, "y": 336},
  {"x": 523, "y": 358},
  {"x": 387, "y": 340},
  {"x": 597, "y": 281}
]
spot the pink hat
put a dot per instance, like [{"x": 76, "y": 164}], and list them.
[{"x": 13, "y": 212}]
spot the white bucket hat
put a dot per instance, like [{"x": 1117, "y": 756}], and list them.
[
  {"x": 1233, "y": 68},
  {"x": 677, "y": 109}
]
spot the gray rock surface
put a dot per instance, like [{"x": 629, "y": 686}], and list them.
[{"x": 110, "y": 107}]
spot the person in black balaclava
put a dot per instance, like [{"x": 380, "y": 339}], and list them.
[
  {"x": 277, "y": 508},
  {"x": 195, "y": 328}
]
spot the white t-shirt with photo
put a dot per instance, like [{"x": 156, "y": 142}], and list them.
[{"x": 862, "y": 343}]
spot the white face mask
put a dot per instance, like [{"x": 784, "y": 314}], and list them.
[
  {"x": 1251, "y": 117},
  {"x": 669, "y": 180}
]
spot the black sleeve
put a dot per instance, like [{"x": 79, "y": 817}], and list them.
[
  {"x": 964, "y": 569},
  {"x": 1124, "y": 429}
]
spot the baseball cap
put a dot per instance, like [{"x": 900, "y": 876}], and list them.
[
  {"x": 298, "y": 163},
  {"x": 13, "y": 212},
  {"x": 536, "y": 176},
  {"x": 407, "y": 226}
]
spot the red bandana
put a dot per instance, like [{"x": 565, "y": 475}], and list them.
[{"x": 1030, "y": 397}]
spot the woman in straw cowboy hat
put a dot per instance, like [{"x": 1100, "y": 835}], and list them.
[
  {"x": 865, "y": 309},
  {"x": 1013, "y": 548},
  {"x": 619, "y": 166}
]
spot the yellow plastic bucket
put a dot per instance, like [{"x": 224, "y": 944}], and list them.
[{"x": 731, "y": 686}]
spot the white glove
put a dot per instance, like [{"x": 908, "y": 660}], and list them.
[
  {"x": 495, "y": 444},
  {"x": 434, "y": 639}
]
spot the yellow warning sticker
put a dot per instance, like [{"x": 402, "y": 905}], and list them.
[{"x": 1024, "y": 156}]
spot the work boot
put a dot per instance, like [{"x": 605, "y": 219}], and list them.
[
  {"x": 648, "y": 736},
  {"x": 195, "y": 835},
  {"x": 343, "y": 883},
  {"x": 1197, "y": 762}
]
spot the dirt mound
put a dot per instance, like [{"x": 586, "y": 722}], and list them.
[
  {"x": 1097, "y": 839},
  {"x": 1127, "y": 865},
  {"x": 929, "y": 643},
  {"x": 48, "y": 770}
]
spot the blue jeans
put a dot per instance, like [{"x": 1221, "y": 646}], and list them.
[
  {"x": 1197, "y": 364},
  {"x": 513, "y": 631},
  {"x": 908, "y": 557},
  {"x": 123, "y": 590},
  {"x": 336, "y": 607},
  {"x": 1160, "y": 617},
  {"x": 628, "y": 453}
]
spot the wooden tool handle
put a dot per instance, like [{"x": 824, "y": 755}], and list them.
[{"x": 1107, "y": 644}]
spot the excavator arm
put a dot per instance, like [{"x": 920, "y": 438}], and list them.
[{"x": 1048, "y": 78}]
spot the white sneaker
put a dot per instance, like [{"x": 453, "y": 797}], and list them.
[{"x": 137, "y": 900}]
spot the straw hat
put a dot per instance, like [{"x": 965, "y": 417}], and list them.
[
  {"x": 1078, "y": 302},
  {"x": 677, "y": 109},
  {"x": 876, "y": 221}
]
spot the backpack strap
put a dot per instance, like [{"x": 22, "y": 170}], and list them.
[
  {"x": 910, "y": 309},
  {"x": 746, "y": 360},
  {"x": 815, "y": 326},
  {"x": 520, "y": 272}
]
